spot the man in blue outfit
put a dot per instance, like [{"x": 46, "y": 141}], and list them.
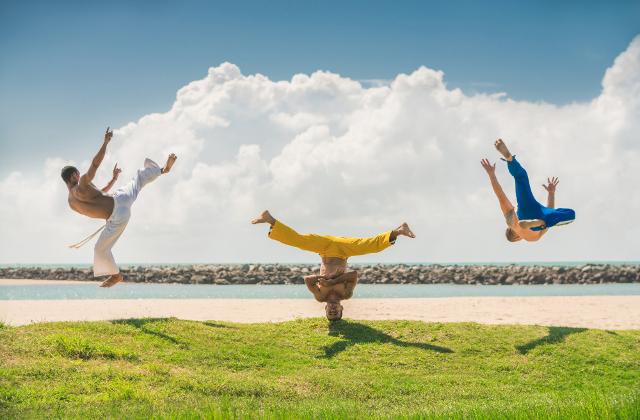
[{"x": 532, "y": 219}]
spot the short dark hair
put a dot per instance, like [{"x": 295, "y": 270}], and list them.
[
  {"x": 511, "y": 235},
  {"x": 66, "y": 173},
  {"x": 335, "y": 319}
]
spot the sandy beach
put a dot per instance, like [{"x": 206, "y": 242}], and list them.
[{"x": 605, "y": 312}]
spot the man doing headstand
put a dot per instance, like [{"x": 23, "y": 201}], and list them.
[{"x": 334, "y": 283}]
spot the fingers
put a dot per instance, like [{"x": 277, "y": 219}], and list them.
[
  {"x": 486, "y": 164},
  {"x": 552, "y": 183}
]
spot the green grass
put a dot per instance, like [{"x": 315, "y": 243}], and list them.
[{"x": 143, "y": 368}]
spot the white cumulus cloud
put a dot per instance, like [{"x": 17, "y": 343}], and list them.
[{"x": 328, "y": 154}]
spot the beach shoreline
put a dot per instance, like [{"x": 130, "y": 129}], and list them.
[{"x": 603, "y": 312}]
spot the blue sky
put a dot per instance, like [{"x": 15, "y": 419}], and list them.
[
  {"x": 381, "y": 156},
  {"x": 70, "y": 68}
]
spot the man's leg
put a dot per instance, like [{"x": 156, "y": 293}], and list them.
[
  {"x": 351, "y": 247},
  {"x": 528, "y": 206},
  {"x": 103, "y": 262},
  {"x": 128, "y": 193},
  {"x": 284, "y": 234}
]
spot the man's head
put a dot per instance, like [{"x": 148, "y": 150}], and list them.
[
  {"x": 512, "y": 236},
  {"x": 333, "y": 311},
  {"x": 70, "y": 175}
]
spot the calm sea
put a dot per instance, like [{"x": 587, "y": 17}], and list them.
[{"x": 192, "y": 291}]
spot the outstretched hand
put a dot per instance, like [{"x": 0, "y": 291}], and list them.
[
  {"x": 108, "y": 135},
  {"x": 491, "y": 169},
  {"x": 116, "y": 171},
  {"x": 551, "y": 185}
]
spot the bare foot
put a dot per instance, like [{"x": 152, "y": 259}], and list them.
[
  {"x": 112, "y": 281},
  {"x": 502, "y": 148},
  {"x": 265, "y": 217},
  {"x": 170, "y": 161},
  {"x": 405, "y": 230}
]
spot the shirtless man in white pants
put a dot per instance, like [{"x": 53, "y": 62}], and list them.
[{"x": 86, "y": 199}]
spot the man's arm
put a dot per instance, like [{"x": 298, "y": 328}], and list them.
[
  {"x": 312, "y": 285},
  {"x": 551, "y": 185},
  {"x": 97, "y": 160},
  {"x": 350, "y": 283},
  {"x": 350, "y": 279},
  {"x": 342, "y": 278},
  {"x": 114, "y": 178},
  {"x": 528, "y": 224},
  {"x": 505, "y": 205}
]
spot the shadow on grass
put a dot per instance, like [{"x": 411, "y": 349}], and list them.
[
  {"x": 141, "y": 324},
  {"x": 554, "y": 336},
  {"x": 356, "y": 333}
]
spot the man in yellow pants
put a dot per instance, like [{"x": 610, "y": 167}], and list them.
[{"x": 334, "y": 283}]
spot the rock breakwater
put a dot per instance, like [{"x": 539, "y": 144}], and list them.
[{"x": 368, "y": 274}]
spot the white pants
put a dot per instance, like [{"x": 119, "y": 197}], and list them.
[{"x": 123, "y": 199}]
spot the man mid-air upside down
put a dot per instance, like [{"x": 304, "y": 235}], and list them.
[
  {"x": 334, "y": 283},
  {"x": 532, "y": 219},
  {"x": 86, "y": 199}
]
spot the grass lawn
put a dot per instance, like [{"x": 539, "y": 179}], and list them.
[{"x": 312, "y": 369}]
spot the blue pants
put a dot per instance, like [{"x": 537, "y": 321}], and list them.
[{"x": 528, "y": 207}]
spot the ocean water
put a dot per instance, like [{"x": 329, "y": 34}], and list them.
[{"x": 191, "y": 291}]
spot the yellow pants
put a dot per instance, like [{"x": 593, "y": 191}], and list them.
[{"x": 329, "y": 246}]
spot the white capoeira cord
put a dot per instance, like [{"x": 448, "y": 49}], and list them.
[{"x": 87, "y": 239}]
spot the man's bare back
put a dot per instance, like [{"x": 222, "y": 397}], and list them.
[
  {"x": 90, "y": 201},
  {"x": 84, "y": 197}
]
